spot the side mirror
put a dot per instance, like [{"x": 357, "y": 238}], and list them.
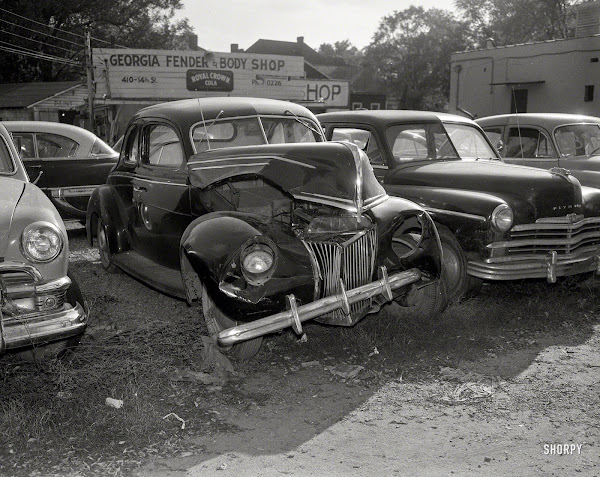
[{"x": 499, "y": 145}]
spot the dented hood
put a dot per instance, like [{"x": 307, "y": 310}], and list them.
[
  {"x": 336, "y": 174},
  {"x": 12, "y": 189}
]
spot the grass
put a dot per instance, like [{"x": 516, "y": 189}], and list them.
[
  {"x": 60, "y": 404},
  {"x": 53, "y": 415}
]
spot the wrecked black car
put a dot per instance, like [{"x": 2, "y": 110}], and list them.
[{"x": 240, "y": 204}]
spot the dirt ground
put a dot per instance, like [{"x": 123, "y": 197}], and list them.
[{"x": 494, "y": 399}]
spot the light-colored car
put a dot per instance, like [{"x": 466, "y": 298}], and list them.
[
  {"x": 42, "y": 309},
  {"x": 65, "y": 161},
  {"x": 547, "y": 140}
]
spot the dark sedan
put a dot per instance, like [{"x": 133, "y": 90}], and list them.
[
  {"x": 496, "y": 221},
  {"x": 240, "y": 204},
  {"x": 65, "y": 161}
]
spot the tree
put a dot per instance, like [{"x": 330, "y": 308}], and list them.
[
  {"x": 58, "y": 28},
  {"x": 509, "y": 22},
  {"x": 342, "y": 49},
  {"x": 411, "y": 52}
]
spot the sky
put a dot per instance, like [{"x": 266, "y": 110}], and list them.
[{"x": 218, "y": 23}]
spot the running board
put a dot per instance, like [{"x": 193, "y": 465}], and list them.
[{"x": 159, "y": 277}]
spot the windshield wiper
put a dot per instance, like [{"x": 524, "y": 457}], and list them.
[{"x": 303, "y": 122}]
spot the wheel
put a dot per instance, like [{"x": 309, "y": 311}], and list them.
[
  {"x": 58, "y": 348},
  {"x": 104, "y": 248},
  {"x": 427, "y": 302},
  {"x": 217, "y": 321},
  {"x": 454, "y": 265}
]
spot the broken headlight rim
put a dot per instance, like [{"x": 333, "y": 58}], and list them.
[
  {"x": 258, "y": 260},
  {"x": 41, "y": 242}
]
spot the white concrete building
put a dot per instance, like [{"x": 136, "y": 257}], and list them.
[{"x": 550, "y": 76}]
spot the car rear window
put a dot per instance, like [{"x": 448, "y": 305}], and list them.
[
  {"x": 6, "y": 163},
  {"x": 55, "y": 145},
  {"x": 100, "y": 147}
]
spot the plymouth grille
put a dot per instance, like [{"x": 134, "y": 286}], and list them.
[
  {"x": 353, "y": 261},
  {"x": 568, "y": 236}
]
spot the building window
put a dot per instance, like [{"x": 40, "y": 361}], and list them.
[
  {"x": 518, "y": 101},
  {"x": 594, "y": 60},
  {"x": 357, "y": 105},
  {"x": 375, "y": 106},
  {"x": 589, "y": 93}
]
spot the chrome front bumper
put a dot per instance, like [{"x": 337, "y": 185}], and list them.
[
  {"x": 38, "y": 328},
  {"x": 23, "y": 327},
  {"x": 296, "y": 315},
  {"x": 549, "y": 267}
]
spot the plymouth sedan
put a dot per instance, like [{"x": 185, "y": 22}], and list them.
[
  {"x": 496, "y": 221},
  {"x": 547, "y": 140},
  {"x": 240, "y": 204},
  {"x": 42, "y": 310},
  {"x": 66, "y": 162}
]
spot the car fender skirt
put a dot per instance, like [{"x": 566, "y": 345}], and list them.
[{"x": 295, "y": 315}]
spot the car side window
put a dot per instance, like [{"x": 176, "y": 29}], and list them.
[
  {"x": 495, "y": 136},
  {"x": 6, "y": 163},
  {"x": 54, "y": 145},
  {"x": 24, "y": 144},
  {"x": 364, "y": 139},
  {"x": 131, "y": 150},
  {"x": 528, "y": 142},
  {"x": 161, "y": 146}
]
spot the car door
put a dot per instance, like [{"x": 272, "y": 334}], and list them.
[
  {"x": 529, "y": 146},
  {"x": 161, "y": 194},
  {"x": 366, "y": 139},
  {"x": 25, "y": 144},
  {"x": 73, "y": 169}
]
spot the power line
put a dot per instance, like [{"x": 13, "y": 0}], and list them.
[
  {"x": 58, "y": 29},
  {"x": 40, "y": 41},
  {"x": 40, "y": 32},
  {"x": 39, "y": 56}
]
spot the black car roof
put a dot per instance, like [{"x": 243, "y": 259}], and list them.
[
  {"x": 384, "y": 117},
  {"x": 190, "y": 111}
]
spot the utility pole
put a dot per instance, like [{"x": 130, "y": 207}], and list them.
[{"x": 90, "y": 79}]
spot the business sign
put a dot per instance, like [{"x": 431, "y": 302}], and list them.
[
  {"x": 162, "y": 75},
  {"x": 209, "y": 80}
]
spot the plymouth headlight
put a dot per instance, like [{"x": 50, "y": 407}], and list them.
[
  {"x": 41, "y": 242},
  {"x": 502, "y": 217}
]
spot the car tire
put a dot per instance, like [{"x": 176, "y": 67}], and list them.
[
  {"x": 57, "y": 349},
  {"x": 217, "y": 321},
  {"x": 104, "y": 248},
  {"x": 427, "y": 302},
  {"x": 454, "y": 265}
]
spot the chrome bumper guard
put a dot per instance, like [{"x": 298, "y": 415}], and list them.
[
  {"x": 41, "y": 327},
  {"x": 295, "y": 315},
  {"x": 37, "y": 327},
  {"x": 549, "y": 266}
]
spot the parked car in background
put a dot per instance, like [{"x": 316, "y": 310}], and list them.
[
  {"x": 547, "y": 140},
  {"x": 65, "y": 161},
  {"x": 240, "y": 204},
  {"x": 41, "y": 306},
  {"x": 496, "y": 221}
]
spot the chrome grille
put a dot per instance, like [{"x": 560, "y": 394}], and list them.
[
  {"x": 568, "y": 236},
  {"x": 352, "y": 260}
]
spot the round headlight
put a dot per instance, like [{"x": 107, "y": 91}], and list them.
[
  {"x": 41, "y": 242},
  {"x": 258, "y": 261},
  {"x": 502, "y": 217}
]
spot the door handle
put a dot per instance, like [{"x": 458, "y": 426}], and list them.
[{"x": 139, "y": 189}]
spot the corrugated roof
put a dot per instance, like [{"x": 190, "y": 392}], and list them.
[{"x": 21, "y": 95}]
